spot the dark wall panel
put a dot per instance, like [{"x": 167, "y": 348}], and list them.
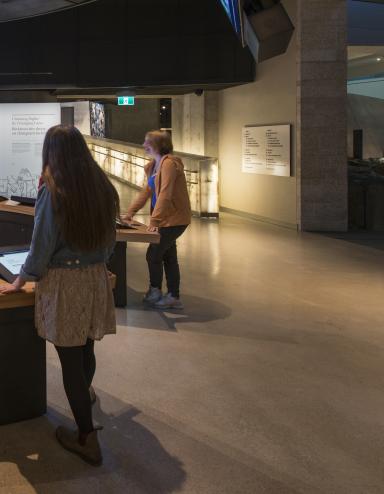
[{"x": 131, "y": 123}]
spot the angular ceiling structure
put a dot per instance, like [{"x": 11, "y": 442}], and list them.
[{"x": 11, "y": 10}]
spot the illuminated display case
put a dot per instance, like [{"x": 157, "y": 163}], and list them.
[{"x": 126, "y": 162}]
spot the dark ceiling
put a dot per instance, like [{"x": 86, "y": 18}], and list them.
[
  {"x": 365, "y": 22},
  {"x": 20, "y": 9},
  {"x": 147, "y": 46}
]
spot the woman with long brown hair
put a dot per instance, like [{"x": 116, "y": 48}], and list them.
[{"x": 73, "y": 237}]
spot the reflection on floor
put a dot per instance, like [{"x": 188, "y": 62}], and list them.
[{"x": 270, "y": 381}]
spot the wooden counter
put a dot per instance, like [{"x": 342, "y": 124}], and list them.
[
  {"x": 16, "y": 208},
  {"x": 139, "y": 234},
  {"x": 16, "y": 226},
  {"x": 25, "y": 298}
]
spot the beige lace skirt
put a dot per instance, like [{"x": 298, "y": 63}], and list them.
[{"x": 75, "y": 304}]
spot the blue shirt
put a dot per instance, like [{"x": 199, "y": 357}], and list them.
[
  {"x": 151, "y": 184},
  {"x": 48, "y": 248}
]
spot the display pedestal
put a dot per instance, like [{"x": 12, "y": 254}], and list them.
[
  {"x": 23, "y": 388},
  {"x": 118, "y": 265}
]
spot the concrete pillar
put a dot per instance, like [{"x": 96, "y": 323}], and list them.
[
  {"x": 322, "y": 187},
  {"x": 177, "y": 122},
  {"x": 82, "y": 116},
  {"x": 195, "y": 123},
  {"x": 211, "y": 123}
]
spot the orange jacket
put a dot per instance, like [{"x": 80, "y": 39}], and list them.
[{"x": 172, "y": 200}]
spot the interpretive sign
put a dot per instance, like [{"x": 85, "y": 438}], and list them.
[
  {"x": 22, "y": 130},
  {"x": 267, "y": 150}
]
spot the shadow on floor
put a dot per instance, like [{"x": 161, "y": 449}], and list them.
[
  {"x": 374, "y": 240},
  {"x": 196, "y": 309},
  {"x": 139, "y": 455},
  {"x": 134, "y": 459}
]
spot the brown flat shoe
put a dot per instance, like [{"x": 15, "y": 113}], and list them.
[{"x": 87, "y": 446}]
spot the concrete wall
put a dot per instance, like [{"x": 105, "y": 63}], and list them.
[
  {"x": 81, "y": 115},
  {"x": 188, "y": 114},
  {"x": 211, "y": 124},
  {"x": 366, "y": 113},
  {"x": 269, "y": 100},
  {"x": 130, "y": 123},
  {"x": 195, "y": 123}
]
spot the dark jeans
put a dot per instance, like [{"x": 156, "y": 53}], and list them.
[
  {"x": 78, "y": 364},
  {"x": 164, "y": 255}
]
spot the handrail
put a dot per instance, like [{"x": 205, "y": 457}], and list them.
[
  {"x": 141, "y": 166},
  {"x": 126, "y": 161}
]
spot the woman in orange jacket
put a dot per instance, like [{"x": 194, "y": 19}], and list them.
[{"x": 166, "y": 187}]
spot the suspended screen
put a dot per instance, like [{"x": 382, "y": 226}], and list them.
[{"x": 232, "y": 8}]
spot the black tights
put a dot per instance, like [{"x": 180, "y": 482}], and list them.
[{"x": 78, "y": 364}]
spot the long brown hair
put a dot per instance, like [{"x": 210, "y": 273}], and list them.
[{"x": 85, "y": 202}]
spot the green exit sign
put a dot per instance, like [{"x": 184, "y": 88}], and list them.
[{"x": 126, "y": 100}]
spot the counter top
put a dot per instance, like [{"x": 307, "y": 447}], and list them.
[
  {"x": 140, "y": 234},
  {"x": 25, "y": 298},
  {"x": 8, "y": 207}
]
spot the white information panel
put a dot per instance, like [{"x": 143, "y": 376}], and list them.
[
  {"x": 22, "y": 130},
  {"x": 267, "y": 150}
]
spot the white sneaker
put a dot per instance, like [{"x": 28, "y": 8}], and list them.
[
  {"x": 169, "y": 302},
  {"x": 153, "y": 295}
]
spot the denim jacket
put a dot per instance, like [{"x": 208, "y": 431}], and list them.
[{"x": 49, "y": 250}]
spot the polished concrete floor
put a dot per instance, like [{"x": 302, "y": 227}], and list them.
[{"x": 270, "y": 381}]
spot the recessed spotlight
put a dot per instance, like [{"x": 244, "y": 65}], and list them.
[{"x": 379, "y": 59}]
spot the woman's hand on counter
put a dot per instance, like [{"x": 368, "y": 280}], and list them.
[
  {"x": 14, "y": 287},
  {"x": 127, "y": 218},
  {"x": 153, "y": 229}
]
